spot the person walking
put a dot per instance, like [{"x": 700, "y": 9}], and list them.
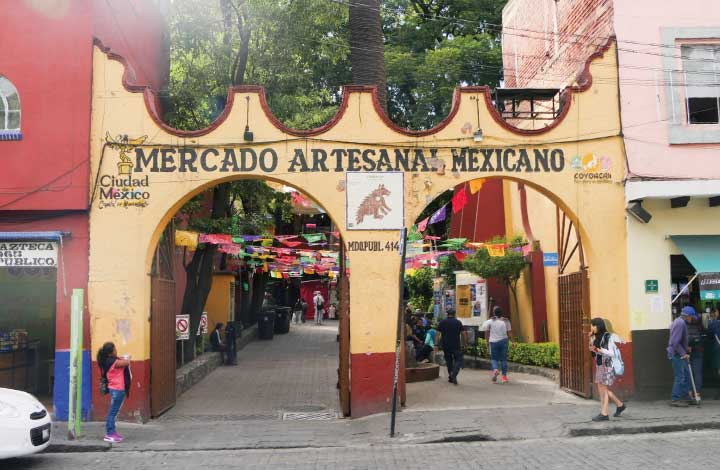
[
  {"x": 497, "y": 333},
  {"x": 230, "y": 344},
  {"x": 696, "y": 348},
  {"x": 450, "y": 330},
  {"x": 117, "y": 373},
  {"x": 297, "y": 311},
  {"x": 677, "y": 353},
  {"x": 332, "y": 312},
  {"x": 603, "y": 349},
  {"x": 216, "y": 342},
  {"x": 304, "y": 310},
  {"x": 319, "y": 303}
]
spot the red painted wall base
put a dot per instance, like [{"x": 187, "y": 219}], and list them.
[{"x": 371, "y": 383}]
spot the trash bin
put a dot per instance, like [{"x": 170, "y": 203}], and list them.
[
  {"x": 266, "y": 324},
  {"x": 282, "y": 320}
]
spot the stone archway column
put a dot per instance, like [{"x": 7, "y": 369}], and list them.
[{"x": 374, "y": 263}]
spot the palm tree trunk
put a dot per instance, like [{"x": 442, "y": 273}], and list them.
[{"x": 367, "y": 56}]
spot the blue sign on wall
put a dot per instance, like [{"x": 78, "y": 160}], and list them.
[{"x": 550, "y": 259}]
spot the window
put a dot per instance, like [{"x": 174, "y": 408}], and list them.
[
  {"x": 9, "y": 111},
  {"x": 701, "y": 70}
]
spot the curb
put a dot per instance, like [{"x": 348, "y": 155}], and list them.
[
  {"x": 643, "y": 429},
  {"x": 66, "y": 448}
]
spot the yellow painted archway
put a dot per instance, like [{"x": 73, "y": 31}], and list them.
[{"x": 144, "y": 171}]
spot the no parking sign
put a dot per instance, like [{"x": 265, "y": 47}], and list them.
[
  {"x": 202, "y": 327},
  {"x": 182, "y": 327}
]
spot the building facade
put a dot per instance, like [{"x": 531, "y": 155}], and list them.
[
  {"x": 668, "y": 78},
  {"x": 45, "y": 104}
]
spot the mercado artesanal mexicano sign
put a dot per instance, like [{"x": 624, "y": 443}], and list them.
[{"x": 130, "y": 185}]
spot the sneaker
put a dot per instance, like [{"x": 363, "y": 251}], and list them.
[
  {"x": 504, "y": 379},
  {"x": 118, "y": 437},
  {"x": 619, "y": 410},
  {"x": 601, "y": 418},
  {"x": 110, "y": 438},
  {"x": 495, "y": 375},
  {"x": 679, "y": 403}
]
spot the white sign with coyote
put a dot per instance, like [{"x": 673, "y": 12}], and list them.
[{"x": 374, "y": 200}]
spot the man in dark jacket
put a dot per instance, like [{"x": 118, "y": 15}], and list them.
[
  {"x": 450, "y": 330},
  {"x": 216, "y": 342}
]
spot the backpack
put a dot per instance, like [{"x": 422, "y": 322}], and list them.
[{"x": 617, "y": 363}]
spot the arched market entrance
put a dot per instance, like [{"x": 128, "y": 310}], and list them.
[
  {"x": 546, "y": 295},
  {"x": 372, "y": 177},
  {"x": 248, "y": 277}
]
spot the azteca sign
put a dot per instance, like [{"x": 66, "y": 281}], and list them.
[{"x": 28, "y": 255}]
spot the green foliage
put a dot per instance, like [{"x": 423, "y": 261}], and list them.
[
  {"x": 420, "y": 288},
  {"x": 432, "y": 47},
  {"x": 507, "y": 268},
  {"x": 447, "y": 265},
  {"x": 533, "y": 354},
  {"x": 297, "y": 50}
]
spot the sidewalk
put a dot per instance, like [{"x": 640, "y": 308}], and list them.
[{"x": 491, "y": 422}]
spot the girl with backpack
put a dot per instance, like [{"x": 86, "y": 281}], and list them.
[
  {"x": 604, "y": 351},
  {"x": 115, "y": 381}
]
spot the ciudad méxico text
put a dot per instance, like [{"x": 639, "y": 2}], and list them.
[{"x": 246, "y": 159}]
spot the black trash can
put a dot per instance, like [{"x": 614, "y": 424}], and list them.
[
  {"x": 282, "y": 320},
  {"x": 266, "y": 324}
]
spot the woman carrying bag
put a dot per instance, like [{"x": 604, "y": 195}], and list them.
[
  {"x": 604, "y": 351},
  {"x": 115, "y": 381}
]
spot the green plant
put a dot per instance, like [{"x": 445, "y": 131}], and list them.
[
  {"x": 533, "y": 354},
  {"x": 420, "y": 288}
]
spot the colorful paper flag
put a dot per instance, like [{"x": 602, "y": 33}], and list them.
[
  {"x": 215, "y": 238},
  {"x": 314, "y": 237},
  {"x": 496, "y": 249},
  {"x": 422, "y": 225},
  {"x": 439, "y": 215},
  {"x": 459, "y": 200},
  {"x": 476, "y": 185},
  {"x": 229, "y": 248},
  {"x": 185, "y": 238}
]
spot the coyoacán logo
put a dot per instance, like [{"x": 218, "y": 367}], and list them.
[
  {"x": 123, "y": 190},
  {"x": 591, "y": 168}
]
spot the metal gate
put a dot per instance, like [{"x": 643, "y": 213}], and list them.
[
  {"x": 162, "y": 346},
  {"x": 344, "y": 333},
  {"x": 575, "y": 365}
]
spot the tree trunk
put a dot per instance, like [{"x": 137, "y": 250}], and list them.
[
  {"x": 200, "y": 273},
  {"x": 367, "y": 56}
]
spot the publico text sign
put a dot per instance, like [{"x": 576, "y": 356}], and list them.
[{"x": 28, "y": 255}]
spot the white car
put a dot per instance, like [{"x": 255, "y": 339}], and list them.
[{"x": 25, "y": 424}]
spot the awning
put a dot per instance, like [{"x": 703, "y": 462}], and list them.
[
  {"x": 31, "y": 236},
  {"x": 703, "y": 251}
]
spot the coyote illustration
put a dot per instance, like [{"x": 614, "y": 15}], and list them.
[{"x": 374, "y": 204}]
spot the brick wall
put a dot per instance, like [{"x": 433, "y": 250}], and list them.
[{"x": 546, "y": 42}]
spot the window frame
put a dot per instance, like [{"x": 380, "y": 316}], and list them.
[
  {"x": 6, "y": 133},
  {"x": 680, "y": 130}
]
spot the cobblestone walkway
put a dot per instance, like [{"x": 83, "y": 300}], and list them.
[{"x": 294, "y": 372}]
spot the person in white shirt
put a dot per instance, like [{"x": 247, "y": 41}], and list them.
[
  {"x": 497, "y": 333},
  {"x": 319, "y": 303}
]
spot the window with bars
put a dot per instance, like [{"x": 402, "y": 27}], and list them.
[
  {"x": 9, "y": 106},
  {"x": 701, "y": 75}
]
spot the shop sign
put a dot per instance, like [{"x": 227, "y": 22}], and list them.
[
  {"x": 182, "y": 327},
  {"x": 709, "y": 286},
  {"x": 651, "y": 286},
  {"x": 550, "y": 259},
  {"x": 28, "y": 254}
]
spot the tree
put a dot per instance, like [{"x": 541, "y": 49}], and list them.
[
  {"x": 420, "y": 288},
  {"x": 507, "y": 268},
  {"x": 447, "y": 265},
  {"x": 367, "y": 46}
]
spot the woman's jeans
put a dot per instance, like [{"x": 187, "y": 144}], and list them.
[
  {"x": 498, "y": 352},
  {"x": 680, "y": 389},
  {"x": 116, "y": 400}
]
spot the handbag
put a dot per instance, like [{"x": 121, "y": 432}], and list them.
[{"x": 104, "y": 389}]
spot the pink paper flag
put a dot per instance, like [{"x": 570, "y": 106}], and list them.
[{"x": 422, "y": 225}]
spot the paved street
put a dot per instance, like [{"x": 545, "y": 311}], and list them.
[
  {"x": 295, "y": 372},
  {"x": 646, "y": 451}
]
